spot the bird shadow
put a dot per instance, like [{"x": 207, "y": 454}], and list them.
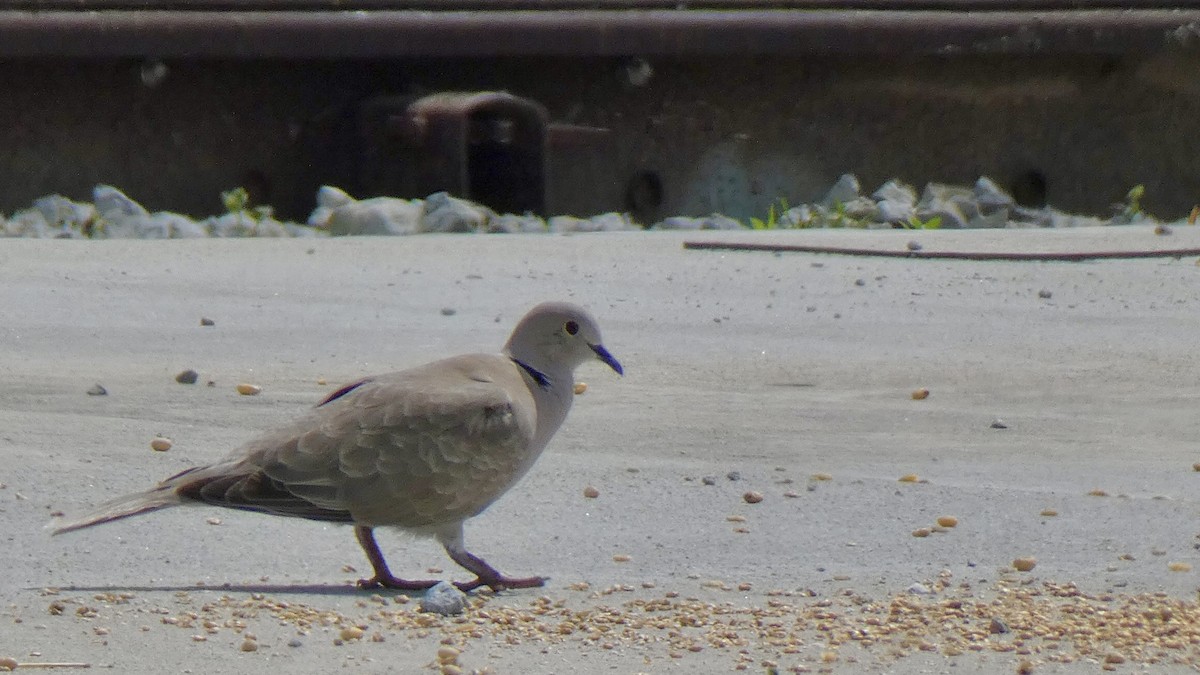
[{"x": 344, "y": 590}]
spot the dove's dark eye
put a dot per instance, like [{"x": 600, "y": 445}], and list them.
[{"x": 571, "y": 327}]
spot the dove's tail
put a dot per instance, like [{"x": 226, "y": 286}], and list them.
[{"x": 164, "y": 495}]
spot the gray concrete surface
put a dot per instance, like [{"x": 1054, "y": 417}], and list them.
[{"x": 775, "y": 366}]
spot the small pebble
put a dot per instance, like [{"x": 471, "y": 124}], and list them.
[
  {"x": 998, "y": 626},
  {"x": 921, "y": 532},
  {"x": 1162, "y": 230},
  {"x": 999, "y": 424},
  {"x": 709, "y": 480},
  {"x": 249, "y": 645},
  {"x": 1049, "y": 513},
  {"x": 908, "y": 478},
  {"x": 1024, "y": 564},
  {"x": 205, "y": 321},
  {"x": 213, "y": 520},
  {"x": 322, "y": 381},
  {"x": 447, "y": 654},
  {"x": 1196, "y": 466},
  {"x": 351, "y": 633},
  {"x": 188, "y": 376},
  {"x": 1097, "y": 492},
  {"x": 97, "y": 390},
  {"x": 8, "y": 663},
  {"x": 1114, "y": 657},
  {"x": 860, "y": 282},
  {"x": 920, "y": 394},
  {"x": 295, "y": 642},
  {"x": 591, "y": 492},
  {"x": 1179, "y": 567},
  {"x": 914, "y": 245},
  {"x": 734, "y": 475},
  {"x": 821, "y": 476},
  {"x": 160, "y": 444},
  {"x": 580, "y": 387},
  {"x": 919, "y": 589},
  {"x": 752, "y": 497},
  {"x": 1045, "y": 294},
  {"x": 947, "y": 521},
  {"x": 621, "y": 558},
  {"x": 449, "y": 311},
  {"x": 444, "y": 598},
  {"x": 248, "y": 389}
]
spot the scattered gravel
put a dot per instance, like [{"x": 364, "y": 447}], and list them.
[
  {"x": 113, "y": 215},
  {"x": 1042, "y": 623}
]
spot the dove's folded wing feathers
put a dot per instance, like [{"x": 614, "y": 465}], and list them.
[{"x": 416, "y": 448}]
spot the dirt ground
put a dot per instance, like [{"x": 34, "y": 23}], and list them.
[{"x": 789, "y": 375}]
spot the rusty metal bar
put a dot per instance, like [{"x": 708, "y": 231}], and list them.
[
  {"x": 1069, "y": 256},
  {"x": 389, "y": 33},
  {"x": 546, "y": 5}
]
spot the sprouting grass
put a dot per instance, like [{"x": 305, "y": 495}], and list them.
[
  {"x": 771, "y": 222},
  {"x": 915, "y": 223},
  {"x": 237, "y": 201}
]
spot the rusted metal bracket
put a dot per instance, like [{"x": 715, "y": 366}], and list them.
[{"x": 489, "y": 147}]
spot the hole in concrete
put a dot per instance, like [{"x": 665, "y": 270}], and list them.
[
  {"x": 1029, "y": 189},
  {"x": 644, "y": 193}
]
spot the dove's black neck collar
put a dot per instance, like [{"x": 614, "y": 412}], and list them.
[{"x": 537, "y": 375}]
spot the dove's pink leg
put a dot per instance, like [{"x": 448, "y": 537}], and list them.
[
  {"x": 383, "y": 576},
  {"x": 485, "y": 574}
]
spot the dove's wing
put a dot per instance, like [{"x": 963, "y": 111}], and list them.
[{"x": 417, "y": 448}]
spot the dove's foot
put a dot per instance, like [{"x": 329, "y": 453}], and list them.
[
  {"x": 383, "y": 576},
  {"x": 499, "y": 582},
  {"x": 485, "y": 574},
  {"x": 388, "y": 581}
]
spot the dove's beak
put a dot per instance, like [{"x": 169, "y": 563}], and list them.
[{"x": 603, "y": 355}]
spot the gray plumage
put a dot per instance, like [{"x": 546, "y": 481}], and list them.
[{"x": 421, "y": 449}]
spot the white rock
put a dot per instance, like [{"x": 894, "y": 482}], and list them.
[
  {"x": 60, "y": 211},
  {"x": 845, "y": 189},
  {"x": 444, "y": 598},
  {"x": 679, "y": 223},
  {"x": 238, "y": 224},
  {"x": 511, "y": 223},
  {"x": 160, "y": 225},
  {"x": 111, "y": 203},
  {"x": 714, "y": 221},
  {"x": 605, "y": 222},
  {"x": 954, "y": 204},
  {"x": 797, "y": 216},
  {"x": 861, "y": 209},
  {"x": 328, "y": 199},
  {"x": 991, "y": 197},
  {"x": 896, "y": 202},
  {"x": 895, "y": 212},
  {"x": 375, "y": 216},
  {"x": 613, "y": 222},
  {"x": 29, "y": 223},
  {"x": 444, "y": 213},
  {"x": 895, "y": 191}
]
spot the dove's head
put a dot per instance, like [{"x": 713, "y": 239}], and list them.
[{"x": 557, "y": 335}]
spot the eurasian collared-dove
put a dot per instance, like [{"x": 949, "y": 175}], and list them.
[{"x": 421, "y": 449}]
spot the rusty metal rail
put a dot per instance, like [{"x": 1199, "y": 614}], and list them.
[{"x": 313, "y": 33}]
